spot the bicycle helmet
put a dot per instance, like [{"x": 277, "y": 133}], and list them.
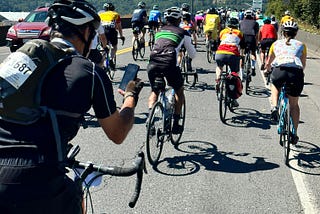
[
  {"x": 287, "y": 12},
  {"x": 267, "y": 20},
  {"x": 155, "y": 7},
  {"x": 172, "y": 13},
  {"x": 108, "y": 6},
  {"x": 290, "y": 26},
  {"x": 74, "y": 12},
  {"x": 141, "y": 4},
  {"x": 185, "y": 7},
  {"x": 211, "y": 10},
  {"x": 248, "y": 14},
  {"x": 233, "y": 23}
]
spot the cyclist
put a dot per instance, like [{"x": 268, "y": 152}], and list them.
[
  {"x": 274, "y": 22},
  {"x": 111, "y": 22},
  {"x": 163, "y": 60},
  {"x": 32, "y": 180},
  {"x": 286, "y": 17},
  {"x": 212, "y": 26},
  {"x": 288, "y": 57},
  {"x": 138, "y": 20},
  {"x": 154, "y": 18},
  {"x": 199, "y": 18},
  {"x": 94, "y": 53},
  {"x": 266, "y": 36},
  {"x": 228, "y": 52},
  {"x": 185, "y": 8},
  {"x": 250, "y": 28},
  {"x": 259, "y": 19}
]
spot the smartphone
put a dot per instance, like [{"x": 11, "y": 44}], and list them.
[{"x": 130, "y": 73}]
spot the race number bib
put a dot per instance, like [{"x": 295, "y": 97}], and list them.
[{"x": 17, "y": 68}]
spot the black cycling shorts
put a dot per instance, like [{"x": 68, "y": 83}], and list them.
[
  {"x": 172, "y": 73},
  {"x": 250, "y": 42},
  {"x": 232, "y": 61},
  {"x": 266, "y": 43},
  {"x": 293, "y": 77},
  {"x": 111, "y": 35},
  {"x": 153, "y": 24},
  {"x": 140, "y": 25}
]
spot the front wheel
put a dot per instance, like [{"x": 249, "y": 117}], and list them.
[
  {"x": 175, "y": 138},
  {"x": 155, "y": 133}
]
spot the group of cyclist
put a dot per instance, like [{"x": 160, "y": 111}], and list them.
[{"x": 31, "y": 178}]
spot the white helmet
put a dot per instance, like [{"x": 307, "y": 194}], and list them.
[
  {"x": 287, "y": 12},
  {"x": 290, "y": 26},
  {"x": 248, "y": 13},
  {"x": 173, "y": 12}
]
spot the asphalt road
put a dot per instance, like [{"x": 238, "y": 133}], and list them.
[{"x": 217, "y": 168}]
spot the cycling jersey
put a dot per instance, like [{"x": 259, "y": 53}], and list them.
[
  {"x": 249, "y": 27},
  {"x": 230, "y": 41},
  {"x": 267, "y": 31},
  {"x": 199, "y": 18},
  {"x": 154, "y": 15},
  {"x": 110, "y": 18},
  {"x": 163, "y": 58},
  {"x": 212, "y": 23},
  {"x": 139, "y": 15},
  {"x": 288, "y": 56}
]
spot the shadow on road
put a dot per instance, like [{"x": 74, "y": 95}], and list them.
[{"x": 201, "y": 154}]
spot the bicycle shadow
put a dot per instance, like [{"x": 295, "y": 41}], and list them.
[
  {"x": 307, "y": 158},
  {"x": 258, "y": 92},
  {"x": 205, "y": 155},
  {"x": 248, "y": 117}
]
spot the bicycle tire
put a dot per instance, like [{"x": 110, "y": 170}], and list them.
[
  {"x": 135, "y": 49},
  {"x": 155, "y": 133},
  {"x": 209, "y": 52},
  {"x": 151, "y": 42},
  {"x": 175, "y": 138},
  {"x": 286, "y": 143},
  {"x": 223, "y": 100},
  {"x": 247, "y": 67},
  {"x": 112, "y": 71}
]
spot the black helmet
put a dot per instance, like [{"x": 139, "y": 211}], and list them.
[
  {"x": 211, "y": 10},
  {"x": 233, "y": 22},
  {"x": 74, "y": 12},
  {"x": 185, "y": 7},
  {"x": 141, "y": 4},
  {"x": 109, "y": 6}
]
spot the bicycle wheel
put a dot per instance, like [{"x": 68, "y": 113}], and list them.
[
  {"x": 247, "y": 67},
  {"x": 191, "y": 78},
  {"x": 175, "y": 138},
  {"x": 223, "y": 100},
  {"x": 155, "y": 133},
  {"x": 142, "y": 50},
  {"x": 135, "y": 49},
  {"x": 287, "y": 129},
  {"x": 209, "y": 52},
  {"x": 151, "y": 42},
  {"x": 112, "y": 71}
]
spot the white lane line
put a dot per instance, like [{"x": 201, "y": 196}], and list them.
[{"x": 305, "y": 196}]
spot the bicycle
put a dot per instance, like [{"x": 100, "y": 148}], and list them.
[
  {"x": 88, "y": 173},
  {"x": 285, "y": 125},
  {"x": 160, "y": 122},
  {"x": 138, "y": 48},
  {"x": 225, "y": 101},
  {"x": 210, "y": 50},
  {"x": 247, "y": 69},
  {"x": 191, "y": 77},
  {"x": 200, "y": 32}
]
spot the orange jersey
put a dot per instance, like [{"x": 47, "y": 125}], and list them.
[{"x": 230, "y": 41}]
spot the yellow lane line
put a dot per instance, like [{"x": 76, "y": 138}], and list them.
[{"x": 126, "y": 50}]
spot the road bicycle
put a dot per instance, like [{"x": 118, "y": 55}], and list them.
[
  {"x": 89, "y": 174},
  {"x": 190, "y": 76},
  {"x": 247, "y": 69},
  {"x": 210, "y": 50},
  {"x": 160, "y": 122},
  {"x": 285, "y": 125},
  {"x": 151, "y": 39},
  {"x": 138, "y": 47},
  {"x": 225, "y": 101}
]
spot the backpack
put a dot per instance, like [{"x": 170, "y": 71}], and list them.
[
  {"x": 234, "y": 85},
  {"x": 21, "y": 77}
]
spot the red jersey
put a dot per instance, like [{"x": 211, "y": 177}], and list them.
[{"x": 268, "y": 31}]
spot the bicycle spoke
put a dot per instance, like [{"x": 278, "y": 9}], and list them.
[{"x": 175, "y": 138}]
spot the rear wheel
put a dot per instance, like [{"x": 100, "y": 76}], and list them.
[
  {"x": 151, "y": 43},
  {"x": 155, "y": 133},
  {"x": 286, "y": 135},
  {"x": 175, "y": 138},
  {"x": 209, "y": 52},
  {"x": 247, "y": 67},
  {"x": 142, "y": 49},
  {"x": 223, "y": 100}
]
